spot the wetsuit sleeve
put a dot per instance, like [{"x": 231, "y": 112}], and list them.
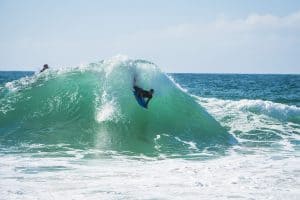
[{"x": 149, "y": 98}]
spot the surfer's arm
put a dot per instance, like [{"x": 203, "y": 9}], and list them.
[{"x": 148, "y": 101}]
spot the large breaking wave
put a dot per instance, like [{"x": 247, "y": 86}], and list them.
[{"x": 94, "y": 106}]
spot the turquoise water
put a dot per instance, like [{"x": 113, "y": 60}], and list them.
[{"x": 209, "y": 135}]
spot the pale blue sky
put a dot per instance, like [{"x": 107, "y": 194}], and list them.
[{"x": 217, "y": 36}]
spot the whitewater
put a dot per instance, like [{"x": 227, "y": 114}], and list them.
[{"x": 78, "y": 133}]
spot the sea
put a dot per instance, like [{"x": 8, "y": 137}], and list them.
[{"x": 78, "y": 133}]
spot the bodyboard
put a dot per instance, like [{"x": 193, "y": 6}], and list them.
[{"x": 141, "y": 101}]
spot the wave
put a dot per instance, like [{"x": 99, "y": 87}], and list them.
[
  {"x": 257, "y": 123},
  {"x": 94, "y": 105},
  {"x": 278, "y": 111}
]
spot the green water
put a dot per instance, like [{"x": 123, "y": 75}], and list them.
[{"x": 94, "y": 108}]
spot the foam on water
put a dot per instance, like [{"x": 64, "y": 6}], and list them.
[
  {"x": 257, "y": 122},
  {"x": 75, "y": 176}
]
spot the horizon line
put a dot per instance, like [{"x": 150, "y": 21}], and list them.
[{"x": 229, "y": 73}]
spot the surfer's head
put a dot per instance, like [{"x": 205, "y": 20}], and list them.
[
  {"x": 151, "y": 91},
  {"x": 44, "y": 68}
]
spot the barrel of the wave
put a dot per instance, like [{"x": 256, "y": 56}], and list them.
[{"x": 172, "y": 112}]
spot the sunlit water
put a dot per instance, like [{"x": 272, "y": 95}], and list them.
[{"x": 78, "y": 133}]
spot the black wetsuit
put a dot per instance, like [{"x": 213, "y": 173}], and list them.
[{"x": 142, "y": 93}]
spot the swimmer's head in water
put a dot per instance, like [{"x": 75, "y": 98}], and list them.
[{"x": 152, "y": 91}]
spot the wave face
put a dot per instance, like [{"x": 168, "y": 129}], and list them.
[{"x": 93, "y": 106}]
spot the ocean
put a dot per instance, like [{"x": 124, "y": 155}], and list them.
[{"x": 78, "y": 133}]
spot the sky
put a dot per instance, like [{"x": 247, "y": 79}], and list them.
[{"x": 199, "y": 36}]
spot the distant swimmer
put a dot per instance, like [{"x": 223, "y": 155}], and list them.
[
  {"x": 141, "y": 94},
  {"x": 45, "y": 67}
]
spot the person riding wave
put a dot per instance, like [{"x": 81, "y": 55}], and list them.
[
  {"x": 141, "y": 93},
  {"x": 45, "y": 67}
]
